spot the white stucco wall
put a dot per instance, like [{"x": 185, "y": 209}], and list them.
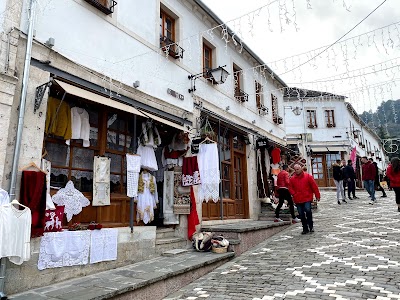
[{"x": 125, "y": 47}]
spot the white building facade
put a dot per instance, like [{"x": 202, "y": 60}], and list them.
[
  {"x": 126, "y": 62},
  {"x": 330, "y": 130}
]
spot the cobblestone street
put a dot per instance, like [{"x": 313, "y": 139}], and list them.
[{"x": 353, "y": 254}]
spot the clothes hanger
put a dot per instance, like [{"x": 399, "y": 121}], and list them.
[
  {"x": 207, "y": 139},
  {"x": 32, "y": 165},
  {"x": 16, "y": 202}
]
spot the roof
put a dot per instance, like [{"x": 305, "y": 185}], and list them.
[
  {"x": 294, "y": 92},
  {"x": 245, "y": 47}
]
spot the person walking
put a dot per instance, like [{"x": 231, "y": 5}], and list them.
[
  {"x": 350, "y": 176},
  {"x": 368, "y": 177},
  {"x": 338, "y": 179},
  {"x": 377, "y": 182},
  {"x": 283, "y": 192},
  {"x": 393, "y": 173},
  {"x": 302, "y": 187}
]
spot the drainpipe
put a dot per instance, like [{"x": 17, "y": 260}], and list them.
[{"x": 14, "y": 170}]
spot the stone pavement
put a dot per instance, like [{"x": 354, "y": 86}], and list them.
[{"x": 353, "y": 254}]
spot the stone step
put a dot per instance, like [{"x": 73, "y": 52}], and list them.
[
  {"x": 162, "y": 233},
  {"x": 166, "y": 244}
]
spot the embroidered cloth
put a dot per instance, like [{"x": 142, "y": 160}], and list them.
[
  {"x": 148, "y": 158},
  {"x": 4, "y": 197},
  {"x": 53, "y": 219},
  {"x": 101, "y": 181},
  {"x": 63, "y": 249},
  {"x": 72, "y": 199},
  {"x": 147, "y": 200},
  {"x": 15, "y": 233},
  {"x": 209, "y": 171},
  {"x": 46, "y": 165},
  {"x": 132, "y": 174},
  {"x": 103, "y": 245},
  {"x": 190, "y": 171}
]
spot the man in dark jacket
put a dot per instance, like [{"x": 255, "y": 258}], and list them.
[
  {"x": 377, "y": 181},
  {"x": 368, "y": 177},
  {"x": 350, "y": 176},
  {"x": 338, "y": 179}
]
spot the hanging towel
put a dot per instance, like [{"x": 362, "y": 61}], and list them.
[
  {"x": 209, "y": 171},
  {"x": 193, "y": 218},
  {"x": 132, "y": 174},
  {"x": 33, "y": 195},
  {"x": 46, "y": 165},
  {"x": 103, "y": 245},
  {"x": 101, "y": 181},
  {"x": 190, "y": 171}
]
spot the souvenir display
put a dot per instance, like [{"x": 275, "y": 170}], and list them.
[
  {"x": 132, "y": 174},
  {"x": 101, "y": 181},
  {"x": 80, "y": 126},
  {"x": 147, "y": 198},
  {"x": 103, "y": 245},
  {"x": 209, "y": 171},
  {"x": 168, "y": 199},
  {"x": 190, "y": 171}
]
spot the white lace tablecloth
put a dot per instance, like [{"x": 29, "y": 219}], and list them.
[
  {"x": 103, "y": 245},
  {"x": 65, "y": 248}
]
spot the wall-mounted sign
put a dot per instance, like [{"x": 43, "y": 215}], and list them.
[
  {"x": 175, "y": 94},
  {"x": 262, "y": 143}
]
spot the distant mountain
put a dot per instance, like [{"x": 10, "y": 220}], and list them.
[{"x": 386, "y": 120}]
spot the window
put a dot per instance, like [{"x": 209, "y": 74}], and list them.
[
  {"x": 330, "y": 118},
  {"x": 274, "y": 107},
  {"x": 106, "y": 6},
  {"x": 262, "y": 109},
  {"x": 239, "y": 94},
  {"x": 167, "y": 36},
  {"x": 207, "y": 57},
  {"x": 311, "y": 118}
]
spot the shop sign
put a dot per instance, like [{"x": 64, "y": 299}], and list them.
[
  {"x": 175, "y": 94},
  {"x": 262, "y": 143}
]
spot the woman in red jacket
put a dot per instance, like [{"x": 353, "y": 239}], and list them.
[
  {"x": 302, "y": 187},
  {"x": 393, "y": 172}
]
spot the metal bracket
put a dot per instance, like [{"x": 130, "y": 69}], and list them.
[{"x": 40, "y": 90}]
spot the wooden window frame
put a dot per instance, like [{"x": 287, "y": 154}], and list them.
[
  {"x": 274, "y": 109},
  {"x": 237, "y": 80},
  {"x": 330, "y": 118},
  {"x": 312, "y": 118},
  {"x": 210, "y": 58},
  {"x": 163, "y": 17}
]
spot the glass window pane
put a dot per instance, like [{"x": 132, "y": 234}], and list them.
[
  {"x": 83, "y": 180},
  {"x": 58, "y": 177},
  {"x": 57, "y": 154},
  {"x": 116, "y": 162},
  {"x": 115, "y": 184},
  {"x": 226, "y": 189},
  {"x": 93, "y": 136},
  {"x": 82, "y": 158}
]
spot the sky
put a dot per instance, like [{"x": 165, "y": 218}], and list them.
[{"x": 287, "y": 33}]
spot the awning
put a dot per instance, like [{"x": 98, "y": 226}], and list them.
[
  {"x": 328, "y": 148},
  {"x": 85, "y": 94}
]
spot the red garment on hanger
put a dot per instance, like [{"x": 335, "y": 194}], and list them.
[
  {"x": 276, "y": 155},
  {"x": 193, "y": 218},
  {"x": 33, "y": 195}
]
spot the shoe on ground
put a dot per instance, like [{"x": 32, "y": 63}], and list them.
[
  {"x": 344, "y": 200},
  {"x": 304, "y": 232},
  {"x": 278, "y": 220},
  {"x": 372, "y": 202},
  {"x": 384, "y": 196},
  {"x": 355, "y": 197},
  {"x": 351, "y": 198},
  {"x": 339, "y": 202},
  {"x": 312, "y": 230},
  {"x": 296, "y": 220}
]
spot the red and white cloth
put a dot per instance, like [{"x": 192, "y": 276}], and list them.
[{"x": 190, "y": 171}]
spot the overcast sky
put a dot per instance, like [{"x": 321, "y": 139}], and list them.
[{"x": 320, "y": 23}]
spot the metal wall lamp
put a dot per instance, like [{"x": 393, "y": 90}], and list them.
[{"x": 216, "y": 76}]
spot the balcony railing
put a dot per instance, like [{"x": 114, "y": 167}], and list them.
[
  {"x": 169, "y": 46},
  {"x": 106, "y": 6},
  {"x": 262, "y": 110},
  {"x": 312, "y": 126},
  {"x": 241, "y": 95},
  {"x": 330, "y": 125}
]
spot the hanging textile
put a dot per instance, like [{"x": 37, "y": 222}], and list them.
[
  {"x": 72, "y": 199},
  {"x": 80, "y": 126},
  {"x": 148, "y": 161},
  {"x": 4, "y": 197},
  {"x": 181, "y": 194},
  {"x": 64, "y": 249},
  {"x": 209, "y": 171},
  {"x": 132, "y": 174},
  {"x": 15, "y": 233},
  {"x": 159, "y": 174},
  {"x": 103, "y": 245},
  {"x": 260, "y": 169},
  {"x": 46, "y": 165},
  {"x": 101, "y": 181},
  {"x": 58, "y": 118},
  {"x": 174, "y": 152},
  {"x": 147, "y": 198},
  {"x": 190, "y": 171},
  {"x": 276, "y": 155},
  {"x": 353, "y": 157},
  {"x": 168, "y": 195},
  {"x": 148, "y": 141},
  {"x": 33, "y": 195},
  {"x": 193, "y": 218},
  {"x": 53, "y": 219},
  {"x": 267, "y": 162}
]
